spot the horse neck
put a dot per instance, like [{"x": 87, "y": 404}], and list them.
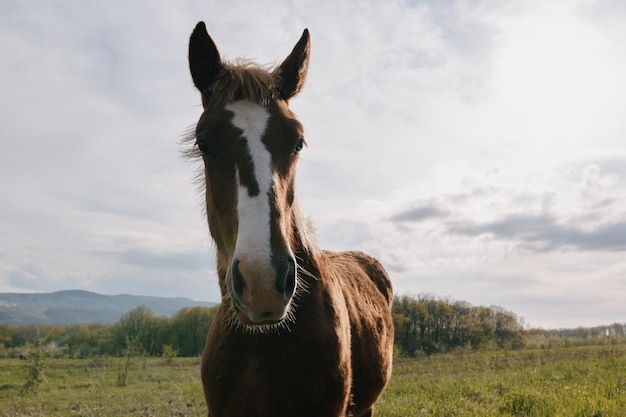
[{"x": 304, "y": 243}]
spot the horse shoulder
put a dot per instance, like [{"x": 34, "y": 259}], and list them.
[{"x": 347, "y": 262}]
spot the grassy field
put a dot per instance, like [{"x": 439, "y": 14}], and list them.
[
  {"x": 573, "y": 382},
  {"x": 570, "y": 382},
  {"x": 83, "y": 387}
]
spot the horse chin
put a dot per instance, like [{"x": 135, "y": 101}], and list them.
[{"x": 245, "y": 320}]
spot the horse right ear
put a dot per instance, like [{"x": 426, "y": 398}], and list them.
[
  {"x": 204, "y": 59},
  {"x": 292, "y": 72}
]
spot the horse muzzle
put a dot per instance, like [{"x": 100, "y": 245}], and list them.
[{"x": 262, "y": 291}]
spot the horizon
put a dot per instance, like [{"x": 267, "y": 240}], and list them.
[{"x": 526, "y": 327}]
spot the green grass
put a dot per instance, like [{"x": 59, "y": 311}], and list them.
[
  {"x": 84, "y": 387},
  {"x": 587, "y": 381},
  {"x": 574, "y": 382}
]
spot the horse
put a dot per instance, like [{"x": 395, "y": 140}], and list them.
[{"x": 300, "y": 331}]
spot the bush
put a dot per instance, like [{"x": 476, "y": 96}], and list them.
[{"x": 169, "y": 353}]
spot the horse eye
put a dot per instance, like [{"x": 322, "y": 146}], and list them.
[
  {"x": 299, "y": 146},
  {"x": 203, "y": 146}
]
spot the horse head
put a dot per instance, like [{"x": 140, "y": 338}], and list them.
[{"x": 249, "y": 141}]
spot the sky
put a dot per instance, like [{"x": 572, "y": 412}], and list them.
[{"x": 476, "y": 148}]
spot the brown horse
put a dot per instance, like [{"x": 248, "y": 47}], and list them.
[{"x": 300, "y": 331}]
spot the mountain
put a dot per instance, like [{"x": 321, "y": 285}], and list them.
[{"x": 76, "y": 306}]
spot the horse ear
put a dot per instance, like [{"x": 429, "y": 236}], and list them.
[
  {"x": 292, "y": 72},
  {"x": 204, "y": 59}
]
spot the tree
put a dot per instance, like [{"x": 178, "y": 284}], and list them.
[
  {"x": 191, "y": 325},
  {"x": 135, "y": 330},
  {"x": 508, "y": 330}
]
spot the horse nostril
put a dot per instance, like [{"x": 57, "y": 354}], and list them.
[
  {"x": 238, "y": 282},
  {"x": 286, "y": 276},
  {"x": 290, "y": 281}
]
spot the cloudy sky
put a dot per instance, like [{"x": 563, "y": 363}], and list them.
[{"x": 477, "y": 148}]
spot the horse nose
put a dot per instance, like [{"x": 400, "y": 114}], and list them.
[{"x": 262, "y": 294}]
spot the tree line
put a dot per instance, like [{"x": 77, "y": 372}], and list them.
[
  {"x": 139, "y": 331},
  {"x": 424, "y": 325}
]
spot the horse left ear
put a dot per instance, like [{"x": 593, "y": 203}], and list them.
[{"x": 292, "y": 72}]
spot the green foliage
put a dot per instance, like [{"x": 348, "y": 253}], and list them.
[
  {"x": 424, "y": 325},
  {"x": 431, "y": 325},
  {"x": 132, "y": 350},
  {"x": 35, "y": 361},
  {"x": 185, "y": 332},
  {"x": 526, "y": 403},
  {"x": 581, "y": 336},
  {"x": 34, "y": 366},
  {"x": 169, "y": 353},
  {"x": 137, "y": 330},
  {"x": 190, "y": 327}
]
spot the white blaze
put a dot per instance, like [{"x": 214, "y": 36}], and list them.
[{"x": 253, "y": 238}]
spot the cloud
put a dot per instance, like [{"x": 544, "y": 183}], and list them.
[
  {"x": 577, "y": 209},
  {"x": 419, "y": 214},
  {"x": 543, "y": 233},
  {"x": 187, "y": 262}
]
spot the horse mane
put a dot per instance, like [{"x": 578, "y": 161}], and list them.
[{"x": 242, "y": 79}]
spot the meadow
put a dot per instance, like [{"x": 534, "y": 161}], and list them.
[{"x": 579, "y": 381}]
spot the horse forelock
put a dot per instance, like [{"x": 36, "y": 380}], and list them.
[{"x": 242, "y": 80}]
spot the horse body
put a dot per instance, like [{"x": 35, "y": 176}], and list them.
[
  {"x": 330, "y": 362},
  {"x": 300, "y": 331}
]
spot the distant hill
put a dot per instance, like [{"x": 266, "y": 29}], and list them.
[{"x": 76, "y": 306}]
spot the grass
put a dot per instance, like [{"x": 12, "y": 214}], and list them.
[
  {"x": 577, "y": 381},
  {"x": 83, "y": 387},
  {"x": 587, "y": 381}
]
